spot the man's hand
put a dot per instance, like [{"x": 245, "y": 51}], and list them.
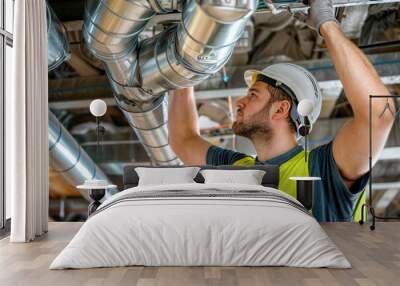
[{"x": 321, "y": 11}]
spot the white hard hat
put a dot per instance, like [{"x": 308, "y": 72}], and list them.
[{"x": 299, "y": 84}]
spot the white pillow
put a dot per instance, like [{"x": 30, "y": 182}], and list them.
[
  {"x": 246, "y": 177},
  {"x": 166, "y": 176}
]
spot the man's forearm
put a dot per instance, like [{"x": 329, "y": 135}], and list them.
[
  {"x": 183, "y": 127},
  {"x": 356, "y": 72},
  {"x": 183, "y": 117}
]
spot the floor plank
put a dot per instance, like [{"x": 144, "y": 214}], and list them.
[{"x": 375, "y": 257}]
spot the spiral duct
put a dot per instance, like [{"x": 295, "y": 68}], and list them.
[{"x": 69, "y": 159}]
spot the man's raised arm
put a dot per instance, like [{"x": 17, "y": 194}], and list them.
[
  {"x": 360, "y": 79},
  {"x": 183, "y": 128}
]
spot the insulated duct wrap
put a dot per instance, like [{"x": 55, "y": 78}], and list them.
[
  {"x": 182, "y": 56},
  {"x": 68, "y": 158}
]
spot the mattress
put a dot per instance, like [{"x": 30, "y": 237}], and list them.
[{"x": 201, "y": 225}]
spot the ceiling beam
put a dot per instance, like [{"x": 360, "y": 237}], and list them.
[
  {"x": 79, "y": 104},
  {"x": 330, "y": 89},
  {"x": 83, "y": 88},
  {"x": 386, "y": 199},
  {"x": 82, "y": 67},
  {"x": 390, "y": 153},
  {"x": 73, "y": 26},
  {"x": 79, "y": 88},
  {"x": 385, "y": 186}
]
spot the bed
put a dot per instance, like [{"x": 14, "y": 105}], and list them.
[{"x": 201, "y": 224}]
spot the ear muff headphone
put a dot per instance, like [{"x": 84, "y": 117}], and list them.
[{"x": 304, "y": 130}]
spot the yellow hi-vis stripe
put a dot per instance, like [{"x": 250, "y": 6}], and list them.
[
  {"x": 245, "y": 162},
  {"x": 295, "y": 167}
]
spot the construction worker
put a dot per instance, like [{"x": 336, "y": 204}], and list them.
[{"x": 283, "y": 101}]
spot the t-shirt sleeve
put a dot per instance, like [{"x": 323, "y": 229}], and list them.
[
  {"x": 339, "y": 199},
  {"x": 219, "y": 156}
]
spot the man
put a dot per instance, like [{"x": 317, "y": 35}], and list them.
[{"x": 267, "y": 116}]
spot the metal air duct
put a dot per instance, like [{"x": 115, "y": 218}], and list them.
[
  {"x": 57, "y": 40},
  {"x": 68, "y": 158},
  {"x": 181, "y": 56}
]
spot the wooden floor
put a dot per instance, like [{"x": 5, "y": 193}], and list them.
[{"x": 375, "y": 257}]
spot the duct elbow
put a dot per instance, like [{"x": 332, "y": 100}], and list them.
[
  {"x": 110, "y": 25},
  {"x": 189, "y": 53},
  {"x": 207, "y": 47}
]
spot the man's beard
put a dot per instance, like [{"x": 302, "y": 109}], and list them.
[{"x": 258, "y": 125}]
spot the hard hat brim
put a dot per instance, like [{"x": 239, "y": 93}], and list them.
[{"x": 250, "y": 76}]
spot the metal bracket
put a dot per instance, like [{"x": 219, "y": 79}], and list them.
[{"x": 302, "y": 6}]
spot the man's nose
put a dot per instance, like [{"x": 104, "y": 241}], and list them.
[{"x": 241, "y": 103}]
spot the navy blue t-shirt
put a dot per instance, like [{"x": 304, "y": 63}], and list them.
[{"x": 333, "y": 200}]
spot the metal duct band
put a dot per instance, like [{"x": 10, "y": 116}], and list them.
[
  {"x": 160, "y": 67},
  {"x": 209, "y": 31},
  {"x": 122, "y": 69},
  {"x": 110, "y": 25},
  {"x": 58, "y": 43},
  {"x": 68, "y": 158}
]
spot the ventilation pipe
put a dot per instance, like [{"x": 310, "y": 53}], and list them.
[
  {"x": 181, "y": 56},
  {"x": 66, "y": 156},
  {"x": 69, "y": 159},
  {"x": 57, "y": 40}
]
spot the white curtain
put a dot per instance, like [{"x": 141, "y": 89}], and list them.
[{"x": 27, "y": 123}]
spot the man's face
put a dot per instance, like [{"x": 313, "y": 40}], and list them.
[{"x": 253, "y": 112}]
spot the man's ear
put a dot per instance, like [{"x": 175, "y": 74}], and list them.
[{"x": 282, "y": 109}]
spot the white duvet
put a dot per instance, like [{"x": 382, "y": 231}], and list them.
[{"x": 200, "y": 231}]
